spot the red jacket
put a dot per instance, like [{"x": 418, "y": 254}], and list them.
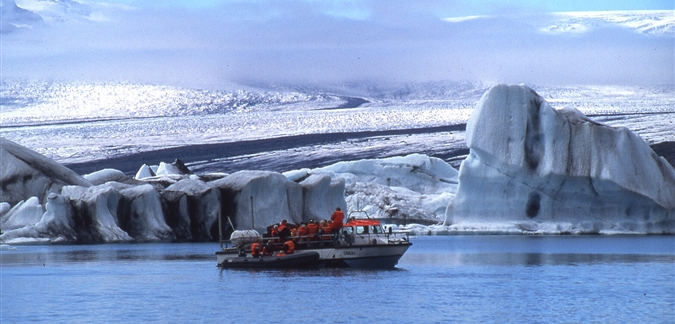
[{"x": 338, "y": 217}]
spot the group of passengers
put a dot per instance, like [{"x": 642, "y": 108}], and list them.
[{"x": 284, "y": 236}]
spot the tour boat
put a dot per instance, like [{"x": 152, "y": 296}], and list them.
[{"x": 360, "y": 243}]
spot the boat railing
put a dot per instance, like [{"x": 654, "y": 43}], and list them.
[
  {"x": 398, "y": 237},
  {"x": 303, "y": 241}
]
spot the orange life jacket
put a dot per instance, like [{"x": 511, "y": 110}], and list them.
[
  {"x": 312, "y": 229},
  {"x": 275, "y": 233},
  {"x": 338, "y": 218},
  {"x": 326, "y": 236},
  {"x": 289, "y": 247},
  {"x": 255, "y": 250}
]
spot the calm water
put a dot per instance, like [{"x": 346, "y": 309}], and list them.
[{"x": 449, "y": 278}]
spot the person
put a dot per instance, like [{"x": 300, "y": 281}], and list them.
[
  {"x": 302, "y": 233},
  {"x": 324, "y": 231},
  {"x": 284, "y": 231},
  {"x": 268, "y": 248},
  {"x": 256, "y": 249},
  {"x": 312, "y": 229},
  {"x": 338, "y": 218},
  {"x": 288, "y": 248},
  {"x": 275, "y": 232}
]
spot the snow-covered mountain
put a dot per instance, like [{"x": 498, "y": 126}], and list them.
[{"x": 642, "y": 21}]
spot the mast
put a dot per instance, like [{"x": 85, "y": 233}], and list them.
[{"x": 252, "y": 218}]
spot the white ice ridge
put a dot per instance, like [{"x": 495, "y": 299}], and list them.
[
  {"x": 413, "y": 188},
  {"x": 535, "y": 168},
  {"x": 108, "y": 206}
]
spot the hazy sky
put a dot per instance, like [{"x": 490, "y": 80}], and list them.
[{"x": 219, "y": 42}]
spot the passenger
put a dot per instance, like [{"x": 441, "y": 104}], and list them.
[
  {"x": 338, "y": 218},
  {"x": 268, "y": 248},
  {"x": 284, "y": 231},
  {"x": 275, "y": 232},
  {"x": 302, "y": 233},
  {"x": 256, "y": 249},
  {"x": 288, "y": 248},
  {"x": 324, "y": 231},
  {"x": 312, "y": 229}
]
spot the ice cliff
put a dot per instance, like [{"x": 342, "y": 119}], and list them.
[
  {"x": 533, "y": 168},
  {"x": 108, "y": 206}
]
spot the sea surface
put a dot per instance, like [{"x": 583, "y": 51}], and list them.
[{"x": 493, "y": 279}]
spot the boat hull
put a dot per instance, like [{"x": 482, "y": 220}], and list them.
[
  {"x": 364, "y": 256},
  {"x": 355, "y": 256},
  {"x": 306, "y": 259}
]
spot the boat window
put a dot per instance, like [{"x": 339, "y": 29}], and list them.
[
  {"x": 361, "y": 229},
  {"x": 377, "y": 229},
  {"x": 347, "y": 230}
]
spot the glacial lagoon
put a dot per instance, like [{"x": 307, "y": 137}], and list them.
[{"x": 477, "y": 278}]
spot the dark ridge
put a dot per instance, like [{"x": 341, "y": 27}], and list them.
[
  {"x": 665, "y": 149},
  {"x": 352, "y": 102},
  {"x": 129, "y": 164}
]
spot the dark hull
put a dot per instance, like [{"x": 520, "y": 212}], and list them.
[{"x": 307, "y": 259}]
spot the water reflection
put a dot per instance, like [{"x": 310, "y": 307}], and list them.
[
  {"x": 529, "y": 259},
  {"x": 45, "y": 255},
  {"x": 361, "y": 274}
]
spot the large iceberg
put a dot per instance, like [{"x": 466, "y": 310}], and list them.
[
  {"x": 533, "y": 168},
  {"x": 164, "y": 205}
]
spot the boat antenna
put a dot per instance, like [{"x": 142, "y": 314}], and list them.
[
  {"x": 252, "y": 218},
  {"x": 220, "y": 225}
]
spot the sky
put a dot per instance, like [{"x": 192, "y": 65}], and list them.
[{"x": 228, "y": 43}]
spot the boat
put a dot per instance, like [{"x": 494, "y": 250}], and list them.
[{"x": 360, "y": 243}]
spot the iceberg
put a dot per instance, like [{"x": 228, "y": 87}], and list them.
[
  {"x": 257, "y": 199},
  {"x": 403, "y": 189},
  {"x": 168, "y": 204},
  {"x": 533, "y": 168},
  {"x": 191, "y": 209},
  {"x": 25, "y": 173}
]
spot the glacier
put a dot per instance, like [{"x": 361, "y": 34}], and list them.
[{"x": 532, "y": 168}]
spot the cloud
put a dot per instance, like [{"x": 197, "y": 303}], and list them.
[{"x": 325, "y": 42}]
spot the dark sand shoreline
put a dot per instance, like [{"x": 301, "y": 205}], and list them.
[{"x": 129, "y": 164}]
